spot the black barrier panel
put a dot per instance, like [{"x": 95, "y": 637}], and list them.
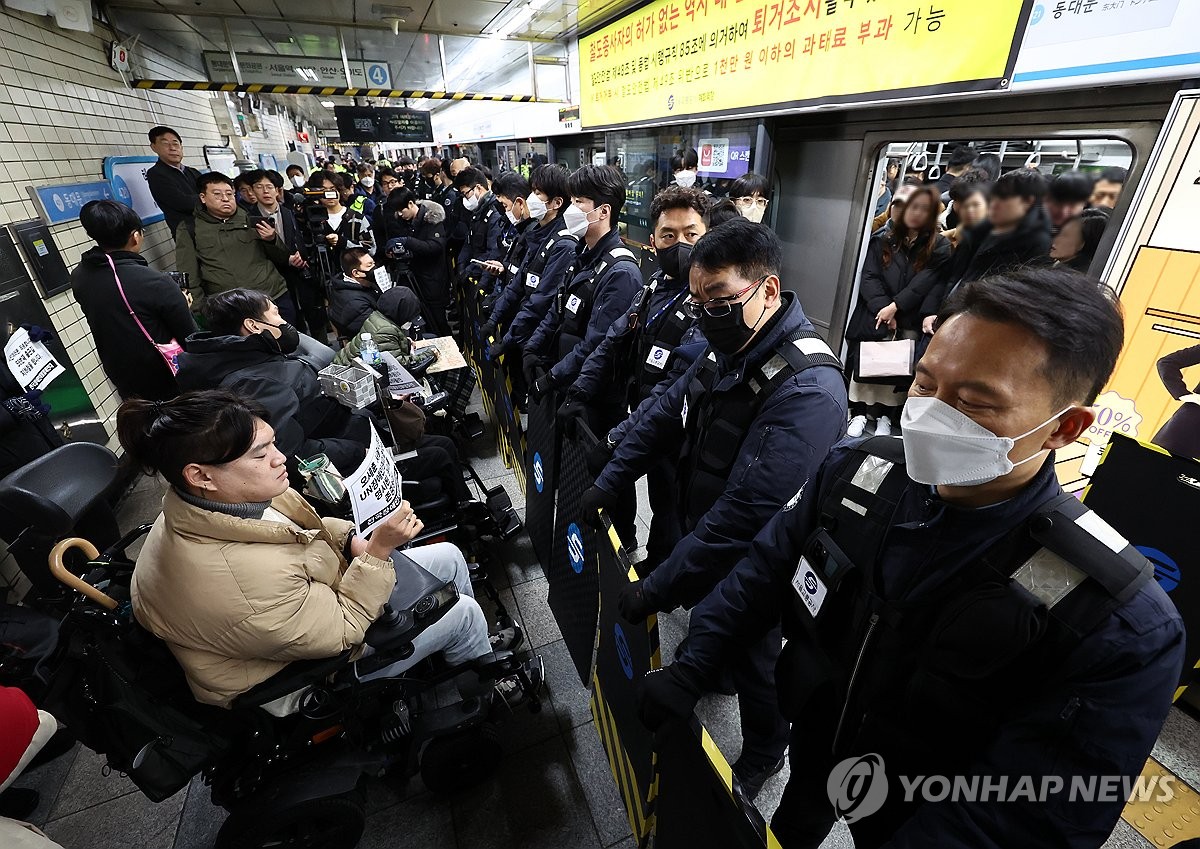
[
  {"x": 696, "y": 805},
  {"x": 541, "y": 465},
  {"x": 625, "y": 652},
  {"x": 1166, "y": 491},
  {"x": 574, "y": 583},
  {"x": 507, "y": 421}
]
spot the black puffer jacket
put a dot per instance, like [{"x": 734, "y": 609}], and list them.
[
  {"x": 133, "y": 364},
  {"x": 350, "y": 304},
  {"x": 981, "y": 252},
  {"x": 305, "y": 421},
  {"x": 896, "y": 281},
  {"x": 425, "y": 240}
]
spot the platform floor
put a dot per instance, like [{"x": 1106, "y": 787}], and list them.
[{"x": 553, "y": 789}]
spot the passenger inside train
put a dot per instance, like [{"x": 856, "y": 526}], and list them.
[{"x": 610, "y": 425}]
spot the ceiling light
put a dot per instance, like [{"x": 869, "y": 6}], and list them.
[
  {"x": 328, "y": 104},
  {"x": 517, "y": 22}
]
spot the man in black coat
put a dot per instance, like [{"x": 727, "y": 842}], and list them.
[
  {"x": 172, "y": 184},
  {"x": 1016, "y": 234},
  {"x": 354, "y": 296},
  {"x": 416, "y": 252},
  {"x": 129, "y": 359},
  {"x": 303, "y": 284}
]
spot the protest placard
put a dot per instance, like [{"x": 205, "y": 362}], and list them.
[
  {"x": 374, "y": 487},
  {"x": 31, "y": 362}
]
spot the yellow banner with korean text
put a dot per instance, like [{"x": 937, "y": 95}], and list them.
[{"x": 685, "y": 58}]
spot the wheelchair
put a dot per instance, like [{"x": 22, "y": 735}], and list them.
[{"x": 285, "y": 780}]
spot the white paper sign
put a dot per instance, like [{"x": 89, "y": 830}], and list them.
[
  {"x": 31, "y": 362},
  {"x": 374, "y": 487},
  {"x": 401, "y": 381},
  {"x": 383, "y": 278}
]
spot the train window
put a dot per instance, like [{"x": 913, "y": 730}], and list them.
[
  {"x": 1081, "y": 174},
  {"x": 723, "y": 150}
]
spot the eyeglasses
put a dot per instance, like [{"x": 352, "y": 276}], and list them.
[
  {"x": 749, "y": 201},
  {"x": 719, "y": 307}
]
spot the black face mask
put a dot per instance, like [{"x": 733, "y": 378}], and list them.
[
  {"x": 729, "y": 333},
  {"x": 676, "y": 261},
  {"x": 289, "y": 338}
]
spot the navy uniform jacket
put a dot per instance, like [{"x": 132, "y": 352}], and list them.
[
  {"x": 1100, "y": 716},
  {"x": 536, "y": 304},
  {"x": 693, "y": 346},
  {"x": 595, "y": 377},
  {"x": 493, "y": 219},
  {"x": 614, "y": 289},
  {"x": 512, "y": 294},
  {"x": 792, "y": 433}
]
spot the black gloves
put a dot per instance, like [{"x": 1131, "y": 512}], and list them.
[
  {"x": 666, "y": 695},
  {"x": 597, "y": 457},
  {"x": 531, "y": 364},
  {"x": 488, "y": 330},
  {"x": 28, "y": 407},
  {"x": 571, "y": 411},
  {"x": 38, "y": 333},
  {"x": 633, "y": 605},
  {"x": 594, "y": 498},
  {"x": 541, "y": 386},
  {"x": 496, "y": 349}
]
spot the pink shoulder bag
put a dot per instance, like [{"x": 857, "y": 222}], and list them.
[{"x": 169, "y": 351}]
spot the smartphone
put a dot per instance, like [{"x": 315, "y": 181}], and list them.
[
  {"x": 480, "y": 261},
  {"x": 255, "y": 220},
  {"x": 180, "y": 278}
]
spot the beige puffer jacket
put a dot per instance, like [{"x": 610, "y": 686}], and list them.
[{"x": 238, "y": 599}]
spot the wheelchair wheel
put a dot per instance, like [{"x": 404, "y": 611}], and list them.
[
  {"x": 336, "y": 822},
  {"x": 459, "y": 761}
]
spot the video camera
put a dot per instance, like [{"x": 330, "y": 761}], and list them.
[{"x": 312, "y": 216}]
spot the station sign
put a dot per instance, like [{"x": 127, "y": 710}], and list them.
[
  {"x": 61, "y": 202},
  {"x": 127, "y": 175},
  {"x": 683, "y": 59},
  {"x": 271, "y": 69}
]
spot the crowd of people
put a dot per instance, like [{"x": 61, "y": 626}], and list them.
[
  {"x": 931, "y": 236},
  {"x": 907, "y": 577}
]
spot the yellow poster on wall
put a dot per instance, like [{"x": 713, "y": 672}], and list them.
[{"x": 685, "y": 58}]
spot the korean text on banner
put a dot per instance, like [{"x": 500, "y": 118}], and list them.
[
  {"x": 681, "y": 58},
  {"x": 31, "y": 362},
  {"x": 374, "y": 487}
]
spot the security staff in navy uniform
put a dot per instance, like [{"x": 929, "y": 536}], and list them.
[
  {"x": 638, "y": 352},
  {"x": 510, "y": 189},
  {"x": 526, "y": 300},
  {"x": 589, "y": 302},
  {"x": 949, "y": 610},
  {"x": 751, "y": 417},
  {"x": 485, "y": 226}
]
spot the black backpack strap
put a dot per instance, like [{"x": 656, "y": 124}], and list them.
[{"x": 859, "y": 508}]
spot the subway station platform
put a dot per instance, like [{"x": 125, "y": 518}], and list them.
[{"x": 553, "y": 789}]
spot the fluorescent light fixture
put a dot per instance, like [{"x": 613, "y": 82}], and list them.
[
  {"x": 328, "y": 104},
  {"x": 308, "y": 74},
  {"x": 517, "y": 22}
]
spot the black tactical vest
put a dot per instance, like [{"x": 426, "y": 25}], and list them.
[{"x": 577, "y": 297}]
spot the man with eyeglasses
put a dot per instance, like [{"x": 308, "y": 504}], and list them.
[
  {"x": 221, "y": 250},
  {"x": 750, "y": 420},
  {"x": 172, "y": 184}
]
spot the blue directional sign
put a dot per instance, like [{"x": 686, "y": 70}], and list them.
[
  {"x": 60, "y": 203},
  {"x": 377, "y": 74}
]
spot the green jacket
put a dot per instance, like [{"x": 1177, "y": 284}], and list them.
[
  {"x": 222, "y": 255},
  {"x": 387, "y": 335}
]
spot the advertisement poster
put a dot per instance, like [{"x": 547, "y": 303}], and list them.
[{"x": 685, "y": 58}]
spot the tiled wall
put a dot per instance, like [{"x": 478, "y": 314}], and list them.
[{"x": 63, "y": 109}]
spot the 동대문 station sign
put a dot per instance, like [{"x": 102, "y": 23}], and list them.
[{"x": 688, "y": 58}]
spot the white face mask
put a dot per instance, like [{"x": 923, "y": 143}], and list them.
[
  {"x": 576, "y": 221},
  {"x": 754, "y": 213},
  {"x": 367, "y": 182},
  {"x": 512, "y": 217},
  {"x": 537, "y": 207},
  {"x": 471, "y": 203},
  {"x": 685, "y": 179},
  {"x": 297, "y": 181},
  {"x": 944, "y": 447}
]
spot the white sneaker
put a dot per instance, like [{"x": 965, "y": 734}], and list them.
[
  {"x": 883, "y": 427},
  {"x": 856, "y": 427}
]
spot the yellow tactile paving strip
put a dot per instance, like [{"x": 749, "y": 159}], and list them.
[{"x": 1165, "y": 823}]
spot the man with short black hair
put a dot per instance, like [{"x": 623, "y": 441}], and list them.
[
  {"x": 484, "y": 225},
  {"x": 949, "y": 610},
  {"x": 524, "y": 303},
  {"x": 416, "y": 252},
  {"x": 303, "y": 286},
  {"x": 961, "y": 157},
  {"x": 172, "y": 184},
  {"x": 1067, "y": 196},
  {"x": 295, "y": 175},
  {"x": 1109, "y": 184},
  {"x": 219, "y": 250},
  {"x": 747, "y": 421},
  {"x": 512, "y": 191}
]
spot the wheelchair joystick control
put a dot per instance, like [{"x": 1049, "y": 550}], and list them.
[{"x": 389, "y": 617}]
